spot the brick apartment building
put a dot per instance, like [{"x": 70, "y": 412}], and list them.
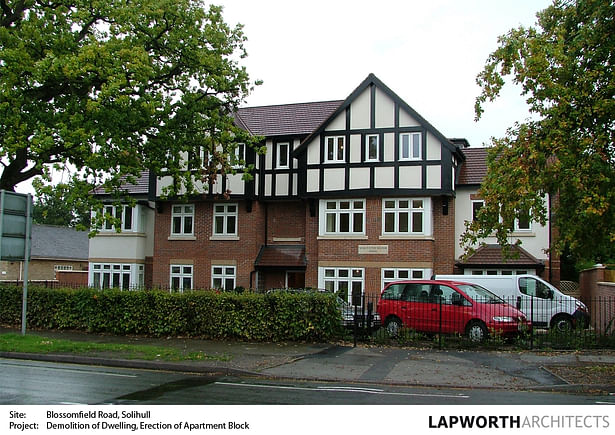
[{"x": 351, "y": 194}]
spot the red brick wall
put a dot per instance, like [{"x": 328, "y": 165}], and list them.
[{"x": 285, "y": 220}]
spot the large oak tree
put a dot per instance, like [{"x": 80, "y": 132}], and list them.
[
  {"x": 565, "y": 151},
  {"x": 110, "y": 88}
]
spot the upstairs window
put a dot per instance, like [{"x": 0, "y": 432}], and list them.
[
  {"x": 405, "y": 216},
  {"x": 282, "y": 155},
  {"x": 122, "y": 212},
  {"x": 342, "y": 217},
  {"x": 372, "y": 147},
  {"x": 476, "y": 206},
  {"x": 410, "y": 146},
  {"x": 335, "y": 149},
  {"x": 225, "y": 219},
  {"x": 182, "y": 218}
]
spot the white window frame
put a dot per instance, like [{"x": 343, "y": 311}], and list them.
[
  {"x": 519, "y": 229},
  {"x": 402, "y": 274},
  {"x": 221, "y": 275},
  {"x": 184, "y": 217},
  {"x": 334, "y": 141},
  {"x": 240, "y": 155},
  {"x": 356, "y": 207},
  {"x": 367, "y": 148},
  {"x": 181, "y": 272},
  {"x": 506, "y": 271},
  {"x": 113, "y": 275},
  {"x": 336, "y": 279},
  {"x": 280, "y": 153},
  {"x": 399, "y": 209},
  {"x": 412, "y": 154},
  {"x": 226, "y": 216},
  {"x": 126, "y": 224},
  {"x": 476, "y": 202},
  {"x": 62, "y": 267}
]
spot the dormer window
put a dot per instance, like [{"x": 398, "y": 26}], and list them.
[
  {"x": 410, "y": 146},
  {"x": 282, "y": 154}
]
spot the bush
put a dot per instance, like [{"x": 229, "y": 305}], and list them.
[{"x": 278, "y": 316}]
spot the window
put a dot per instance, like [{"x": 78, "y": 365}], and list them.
[
  {"x": 282, "y": 153},
  {"x": 372, "y": 148},
  {"x": 240, "y": 155},
  {"x": 346, "y": 282},
  {"x": 181, "y": 277},
  {"x": 201, "y": 162},
  {"x": 476, "y": 206},
  {"x": 335, "y": 149},
  {"x": 225, "y": 219},
  {"x": 523, "y": 222},
  {"x": 182, "y": 218},
  {"x": 122, "y": 212},
  {"x": 62, "y": 267},
  {"x": 405, "y": 216},
  {"x": 410, "y": 146},
  {"x": 121, "y": 276},
  {"x": 535, "y": 288},
  {"x": 223, "y": 277},
  {"x": 399, "y": 274},
  {"x": 342, "y": 217}
]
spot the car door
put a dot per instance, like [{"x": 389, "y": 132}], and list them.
[
  {"x": 451, "y": 310},
  {"x": 536, "y": 300}
]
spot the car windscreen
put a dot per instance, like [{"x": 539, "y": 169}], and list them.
[{"x": 480, "y": 294}]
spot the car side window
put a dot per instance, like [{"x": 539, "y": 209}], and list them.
[
  {"x": 393, "y": 292},
  {"x": 441, "y": 294},
  {"x": 533, "y": 287}
]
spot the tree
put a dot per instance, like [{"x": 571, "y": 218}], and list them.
[
  {"x": 566, "y": 152},
  {"x": 63, "y": 204},
  {"x": 114, "y": 87}
]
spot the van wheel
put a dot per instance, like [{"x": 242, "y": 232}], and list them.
[
  {"x": 393, "y": 326},
  {"x": 476, "y": 331},
  {"x": 561, "y": 323}
]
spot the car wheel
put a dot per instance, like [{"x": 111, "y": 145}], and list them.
[
  {"x": 561, "y": 323},
  {"x": 393, "y": 326},
  {"x": 476, "y": 331}
]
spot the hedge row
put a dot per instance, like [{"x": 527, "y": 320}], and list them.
[{"x": 276, "y": 316}]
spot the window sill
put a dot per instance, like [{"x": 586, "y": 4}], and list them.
[
  {"x": 341, "y": 237},
  {"x": 123, "y": 233},
  {"x": 224, "y": 238},
  {"x": 523, "y": 234},
  {"x": 405, "y": 237},
  {"x": 181, "y": 238}
]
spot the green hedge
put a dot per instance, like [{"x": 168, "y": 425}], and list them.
[{"x": 275, "y": 316}]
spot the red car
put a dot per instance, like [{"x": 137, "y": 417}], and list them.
[{"x": 448, "y": 307}]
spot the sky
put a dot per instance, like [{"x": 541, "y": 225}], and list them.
[{"x": 428, "y": 52}]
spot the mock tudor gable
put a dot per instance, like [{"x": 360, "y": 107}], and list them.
[{"x": 375, "y": 143}]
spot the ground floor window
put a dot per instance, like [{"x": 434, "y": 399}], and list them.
[
  {"x": 347, "y": 282},
  {"x": 181, "y": 277},
  {"x": 398, "y": 274},
  {"x": 116, "y": 275},
  {"x": 223, "y": 277}
]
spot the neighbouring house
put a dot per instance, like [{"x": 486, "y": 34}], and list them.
[
  {"x": 54, "y": 250},
  {"x": 350, "y": 195}
]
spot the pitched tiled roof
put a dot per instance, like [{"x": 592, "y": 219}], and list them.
[
  {"x": 491, "y": 255},
  {"x": 285, "y": 119},
  {"x": 281, "y": 256},
  {"x": 49, "y": 241},
  {"x": 474, "y": 168},
  {"x": 139, "y": 187}
]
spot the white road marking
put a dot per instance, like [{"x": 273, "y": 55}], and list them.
[{"x": 61, "y": 369}]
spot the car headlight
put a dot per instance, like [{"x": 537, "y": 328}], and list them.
[
  {"x": 504, "y": 319},
  {"x": 580, "y": 306}
]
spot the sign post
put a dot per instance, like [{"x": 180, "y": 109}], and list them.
[{"x": 16, "y": 236}]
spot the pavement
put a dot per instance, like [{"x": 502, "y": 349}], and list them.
[{"x": 342, "y": 362}]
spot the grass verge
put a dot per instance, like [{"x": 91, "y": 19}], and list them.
[{"x": 40, "y": 344}]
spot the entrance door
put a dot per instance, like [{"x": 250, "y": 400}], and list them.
[{"x": 295, "y": 279}]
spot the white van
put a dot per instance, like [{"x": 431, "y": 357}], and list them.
[{"x": 542, "y": 303}]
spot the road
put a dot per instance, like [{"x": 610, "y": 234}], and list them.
[{"x": 30, "y": 382}]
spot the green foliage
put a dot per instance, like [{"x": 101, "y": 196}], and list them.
[
  {"x": 62, "y": 204},
  {"x": 116, "y": 87},
  {"x": 567, "y": 150},
  {"x": 248, "y": 316}
]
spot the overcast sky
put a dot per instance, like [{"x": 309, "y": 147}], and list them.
[{"x": 428, "y": 52}]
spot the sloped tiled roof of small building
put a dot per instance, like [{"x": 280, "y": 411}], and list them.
[
  {"x": 285, "y": 119},
  {"x": 54, "y": 242},
  {"x": 474, "y": 168},
  {"x": 492, "y": 255},
  {"x": 139, "y": 187}
]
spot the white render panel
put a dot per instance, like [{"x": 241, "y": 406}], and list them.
[
  {"x": 281, "y": 184},
  {"x": 338, "y": 123},
  {"x": 217, "y": 188},
  {"x": 434, "y": 177},
  {"x": 132, "y": 246},
  {"x": 295, "y": 182},
  {"x": 162, "y": 183},
  {"x": 360, "y": 111},
  {"x": 385, "y": 110},
  {"x": 359, "y": 178},
  {"x": 334, "y": 179},
  {"x": 434, "y": 147},
  {"x": 389, "y": 147},
  {"x": 268, "y": 183},
  {"x": 313, "y": 151},
  {"x": 405, "y": 120},
  {"x": 385, "y": 178},
  {"x": 235, "y": 184},
  {"x": 410, "y": 177},
  {"x": 313, "y": 180},
  {"x": 269, "y": 155},
  {"x": 355, "y": 148}
]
